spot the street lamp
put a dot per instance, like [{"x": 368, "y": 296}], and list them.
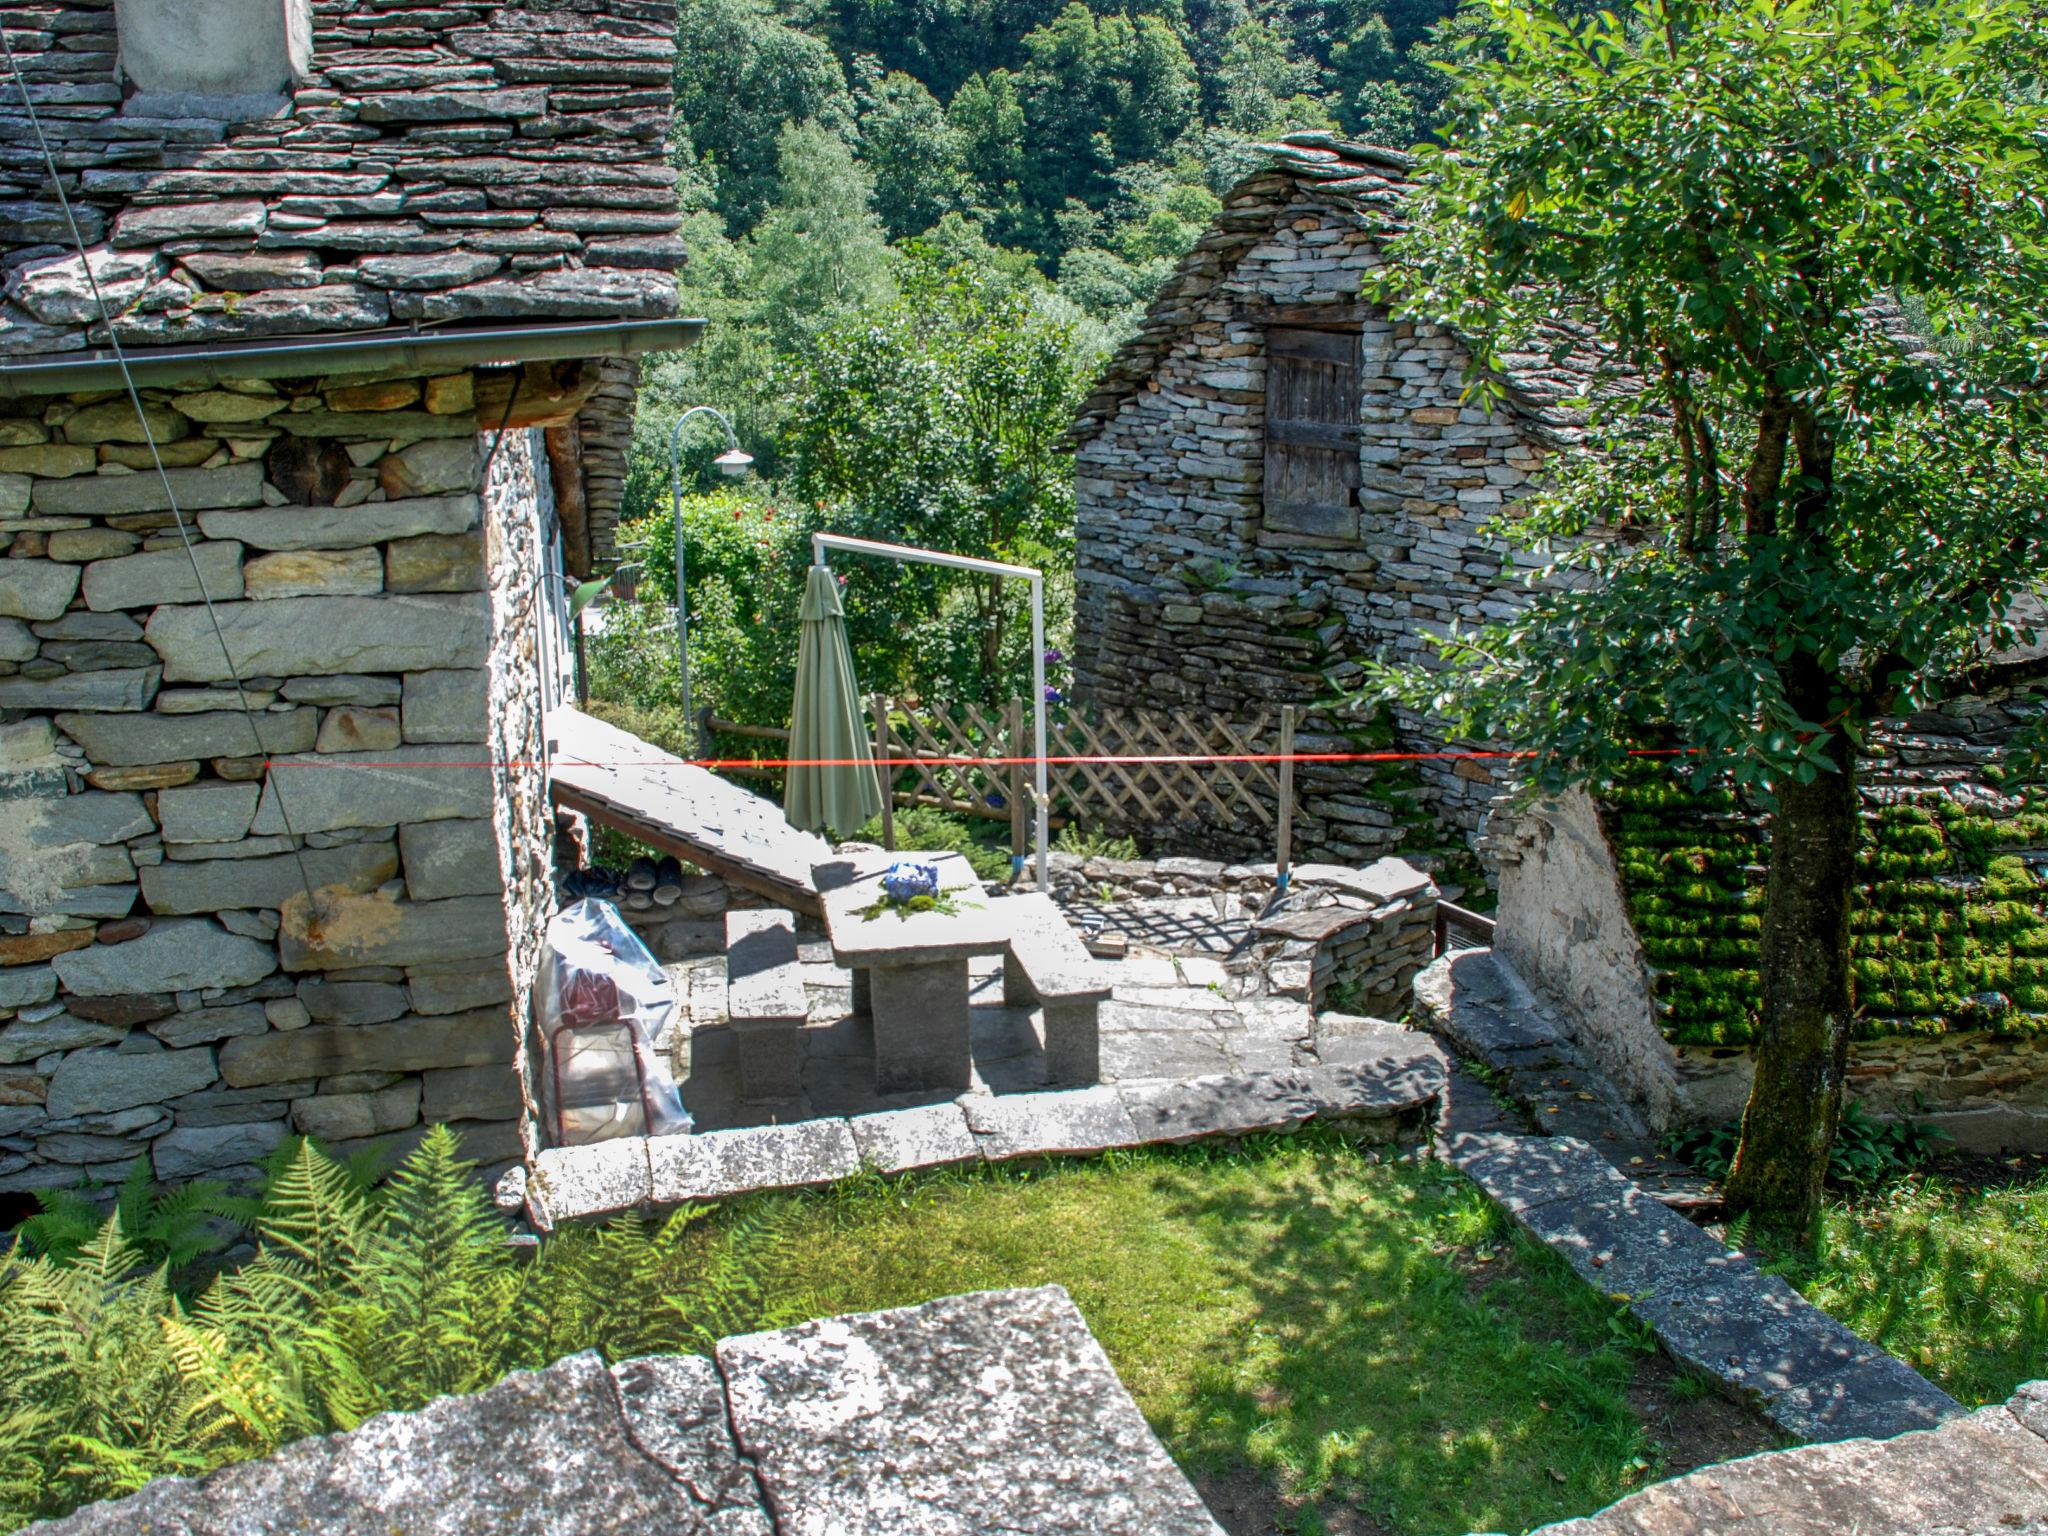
[{"x": 733, "y": 463}]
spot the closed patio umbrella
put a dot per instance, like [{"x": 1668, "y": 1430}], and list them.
[{"x": 826, "y": 722}]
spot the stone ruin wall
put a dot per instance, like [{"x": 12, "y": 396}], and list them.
[
  {"x": 165, "y": 991},
  {"x": 1184, "y": 599},
  {"x": 1563, "y": 926}
]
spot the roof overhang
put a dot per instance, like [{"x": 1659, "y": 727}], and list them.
[{"x": 392, "y": 350}]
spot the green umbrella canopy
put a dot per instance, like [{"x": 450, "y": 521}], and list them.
[{"x": 826, "y": 722}]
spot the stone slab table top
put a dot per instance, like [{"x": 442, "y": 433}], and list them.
[
  {"x": 973, "y": 1414},
  {"x": 850, "y": 885}
]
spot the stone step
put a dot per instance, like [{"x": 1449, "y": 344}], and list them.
[
  {"x": 1388, "y": 1090},
  {"x": 1710, "y": 1308}
]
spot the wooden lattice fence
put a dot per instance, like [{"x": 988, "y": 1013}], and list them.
[{"x": 1109, "y": 770}]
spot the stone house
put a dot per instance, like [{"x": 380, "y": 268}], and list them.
[
  {"x": 279, "y": 633},
  {"x": 1275, "y": 480}
]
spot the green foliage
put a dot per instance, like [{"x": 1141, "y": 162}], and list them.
[
  {"x": 165, "y": 1227},
  {"x": 1823, "y": 523},
  {"x": 1093, "y": 843},
  {"x": 925, "y": 829},
  {"x": 360, "y": 1298},
  {"x": 1865, "y": 1154},
  {"x": 1945, "y": 1277}
]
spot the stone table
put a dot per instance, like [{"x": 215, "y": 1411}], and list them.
[{"x": 910, "y": 970}]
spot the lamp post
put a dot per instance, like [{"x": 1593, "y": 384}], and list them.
[{"x": 733, "y": 462}]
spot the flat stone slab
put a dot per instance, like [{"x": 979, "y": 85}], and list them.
[
  {"x": 1713, "y": 1309},
  {"x": 975, "y": 1414},
  {"x": 573, "y": 1448},
  {"x": 1227, "y": 1104},
  {"x": 1072, "y": 1123},
  {"x": 716, "y": 1164},
  {"x": 568, "y": 1183},
  {"x": 930, "y": 1136},
  {"x": 1980, "y": 1474}
]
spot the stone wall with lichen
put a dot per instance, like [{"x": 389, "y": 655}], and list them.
[
  {"x": 1949, "y": 942},
  {"x": 218, "y": 927}
]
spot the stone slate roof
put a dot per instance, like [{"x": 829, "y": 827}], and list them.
[
  {"x": 443, "y": 161},
  {"x": 1368, "y": 180}
]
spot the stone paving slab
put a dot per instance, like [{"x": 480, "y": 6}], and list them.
[
  {"x": 1710, "y": 1308},
  {"x": 975, "y": 1414},
  {"x": 1075, "y": 1122},
  {"x": 1983, "y": 1474},
  {"x": 721, "y": 1163},
  {"x": 1229, "y": 1104},
  {"x": 931, "y": 1136},
  {"x": 543, "y": 1453},
  {"x": 982, "y": 1413}
]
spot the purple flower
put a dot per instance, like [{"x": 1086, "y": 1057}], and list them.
[
  {"x": 1053, "y": 658},
  {"x": 1055, "y": 696}
]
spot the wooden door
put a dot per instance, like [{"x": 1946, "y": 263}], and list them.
[{"x": 1312, "y": 432}]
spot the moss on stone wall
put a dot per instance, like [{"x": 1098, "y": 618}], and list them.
[{"x": 1950, "y": 929}]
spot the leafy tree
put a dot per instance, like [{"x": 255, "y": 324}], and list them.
[
  {"x": 915, "y": 154},
  {"x": 1820, "y": 521},
  {"x": 819, "y": 249},
  {"x": 940, "y": 421},
  {"x": 741, "y": 76}
]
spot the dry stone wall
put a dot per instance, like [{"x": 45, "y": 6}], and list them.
[
  {"x": 1184, "y": 596},
  {"x": 168, "y": 988}
]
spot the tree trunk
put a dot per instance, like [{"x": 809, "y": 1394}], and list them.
[{"x": 1802, "y": 1051}]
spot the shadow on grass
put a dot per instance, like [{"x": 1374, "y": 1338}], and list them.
[
  {"x": 1327, "y": 1344},
  {"x": 1954, "y": 1282}
]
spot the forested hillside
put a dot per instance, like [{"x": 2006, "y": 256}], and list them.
[{"x": 916, "y": 227}]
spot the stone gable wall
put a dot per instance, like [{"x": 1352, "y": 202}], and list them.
[
  {"x": 167, "y": 988},
  {"x": 1183, "y": 598}
]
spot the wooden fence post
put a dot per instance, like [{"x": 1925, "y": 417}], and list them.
[
  {"x": 885, "y": 770},
  {"x": 1018, "y": 793},
  {"x": 1286, "y": 848}
]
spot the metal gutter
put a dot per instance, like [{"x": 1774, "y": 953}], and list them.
[{"x": 365, "y": 352}]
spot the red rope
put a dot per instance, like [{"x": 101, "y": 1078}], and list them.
[{"x": 966, "y": 762}]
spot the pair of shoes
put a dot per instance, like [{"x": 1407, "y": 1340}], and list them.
[
  {"x": 668, "y": 883},
  {"x": 640, "y": 875},
  {"x": 594, "y": 884}
]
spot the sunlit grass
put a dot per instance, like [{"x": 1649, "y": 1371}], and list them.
[
  {"x": 1356, "y": 1333},
  {"x": 1952, "y": 1281}
]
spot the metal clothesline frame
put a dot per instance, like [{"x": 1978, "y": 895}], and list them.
[{"x": 910, "y": 554}]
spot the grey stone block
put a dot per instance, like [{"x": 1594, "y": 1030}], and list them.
[
  {"x": 92, "y": 1082},
  {"x": 985, "y": 1413},
  {"x": 475, "y": 1039},
  {"x": 470, "y": 1093},
  {"x": 176, "y": 955},
  {"x": 323, "y": 792},
  {"x": 1238, "y": 1104},
  {"x": 36, "y": 589},
  {"x": 294, "y": 635},
  {"x": 449, "y": 858},
  {"x": 450, "y": 705},
  {"x": 572, "y": 1183},
  {"x": 192, "y": 1150},
  {"x": 929, "y": 1136},
  {"x": 207, "y": 813},
  {"x": 352, "y": 1002},
  {"x": 1876, "y": 1398},
  {"x": 121, "y": 690},
  {"x": 251, "y": 884},
  {"x": 720, "y": 1163},
  {"x": 921, "y": 1027},
  {"x": 235, "y": 485},
  {"x": 458, "y": 988},
  {"x": 573, "y": 1448},
  {"x": 370, "y": 930},
  {"x": 329, "y": 528},
  {"x": 126, "y": 742},
  {"x": 205, "y": 1026},
  {"x": 165, "y": 576},
  {"x": 1072, "y": 1123},
  {"x": 334, "y": 1117}
]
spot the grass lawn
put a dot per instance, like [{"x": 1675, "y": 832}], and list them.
[
  {"x": 1326, "y": 1342},
  {"x": 1952, "y": 1279}
]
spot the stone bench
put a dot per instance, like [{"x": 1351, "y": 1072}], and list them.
[
  {"x": 765, "y": 1000},
  {"x": 1046, "y": 965}
]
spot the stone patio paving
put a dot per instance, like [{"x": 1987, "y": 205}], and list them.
[{"x": 1172, "y": 1015}]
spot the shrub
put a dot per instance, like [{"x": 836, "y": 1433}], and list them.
[
  {"x": 925, "y": 829},
  {"x": 359, "y": 1299}
]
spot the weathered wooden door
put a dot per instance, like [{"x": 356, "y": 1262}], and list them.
[{"x": 1312, "y": 432}]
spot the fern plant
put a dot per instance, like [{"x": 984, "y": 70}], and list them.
[{"x": 361, "y": 1297}]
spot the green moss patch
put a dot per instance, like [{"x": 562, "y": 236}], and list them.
[{"x": 1950, "y": 928}]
